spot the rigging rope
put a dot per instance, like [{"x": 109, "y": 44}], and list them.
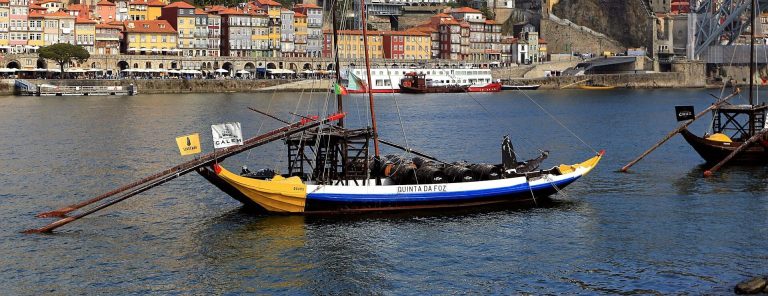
[
  {"x": 558, "y": 121},
  {"x": 526, "y": 142}
]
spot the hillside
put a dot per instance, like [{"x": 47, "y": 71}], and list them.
[{"x": 627, "y": 21}]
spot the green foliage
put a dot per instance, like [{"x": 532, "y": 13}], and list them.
[
  {"x": 64, "y": 53},
  {"x": 488, "y": 13}
]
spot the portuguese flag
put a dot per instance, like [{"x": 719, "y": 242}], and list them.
[{"x": 340, "y": 90}]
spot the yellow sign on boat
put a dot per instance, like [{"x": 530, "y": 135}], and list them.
[{"x": 189, "y": 144}]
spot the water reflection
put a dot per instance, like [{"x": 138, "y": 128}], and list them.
[{"x": 729, "y": 179}]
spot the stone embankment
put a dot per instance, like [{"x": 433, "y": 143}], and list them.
[
  {"x": 642, "y": 80},
  {"x": 167, "y": 86}
]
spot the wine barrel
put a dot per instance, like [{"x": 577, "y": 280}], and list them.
[
  {"x": 428, "y": 174},
  {"x": 458, "y": 173},
  {"x": 484, "y": 171}
]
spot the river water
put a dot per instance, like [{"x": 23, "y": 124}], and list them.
[{"x": 660, "y": 229}]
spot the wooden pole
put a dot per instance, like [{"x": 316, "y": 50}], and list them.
[
  {"x": 268, "y": 115},
  {"x": 363, "y": 13},
  {"x": 411, "y": 151},
  {"x": 678, "y": 130},
  {"x": 335, "y": 26},
  {"x": 745, "y": 145},
  {"x": 191, "y": 165}
]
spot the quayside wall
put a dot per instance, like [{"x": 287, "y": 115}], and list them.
[
  {"x": 641, "y": 80},
  {"x": 167, "y": 86}
]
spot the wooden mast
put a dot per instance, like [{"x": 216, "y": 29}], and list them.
[
  {"x": 368, "y": 78},
  {"x": 752, "y": 58},
  {"x": 339, "y": 99}
]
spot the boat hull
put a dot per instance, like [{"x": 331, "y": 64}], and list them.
[
  {"x": 517, "y": 195},
  {"x": 432, "y": 90},
  {"x": 715, "y": 151},
  {"x": 597, "y": 87},
  {"x": 291, "y": 196},
  {"x": 520, "y": 87},
  {"x": 491, "y": 87}
]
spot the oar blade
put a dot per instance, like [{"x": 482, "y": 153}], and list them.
[
  {"x": 61, "y": 213},
  {"x": 50, "y": 227}
]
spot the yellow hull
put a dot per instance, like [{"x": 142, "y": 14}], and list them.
[
  {"x": 286, "y": 195},
  {"x": 593, "y": 87}
]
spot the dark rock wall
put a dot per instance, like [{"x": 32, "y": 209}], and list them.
[{"x": 627, "y": 21}]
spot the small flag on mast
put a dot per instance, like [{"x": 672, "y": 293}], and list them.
[
  {"x": 340, "y": 90},
  {"x": 227, "y": 134},
  {"x": 189, "y": 144}
]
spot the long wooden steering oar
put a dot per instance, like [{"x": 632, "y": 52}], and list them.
[
  {"x": 678, "y": 130},
  {"x": 750, "y": 141},
  {"x": 144, "y": 184}
]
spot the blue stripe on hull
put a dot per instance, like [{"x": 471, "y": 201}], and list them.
[{"x": 458, "y": 196}]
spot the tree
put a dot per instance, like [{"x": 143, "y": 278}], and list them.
[
  {"x": 64, "y": 53},
  {"x": 488, "y": 13}
]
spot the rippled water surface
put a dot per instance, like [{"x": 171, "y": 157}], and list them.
[{"x": 660, "y": 229}]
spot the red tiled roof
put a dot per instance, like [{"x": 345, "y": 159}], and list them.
[
  {"x": 105, "y": 3},
  {"x": 402, "y": 33},
  {"x": 156, "y": 3},
  {"x": 156, "y": 26},
  {"x": 490, "y": 22},
  {"x": 179, "y": 4},
  {"x": 35, "y": 14},
  {"x": 36, "y": 7},
  {"x": 542, "y": 41},
  {"x": 310, "y": 6},
  {"x": 232, "y": 11},
  {"x": 426, "y": 28},
  {"x": 299, "y": 14},
  {"x": 267, "y": 2},
  {"x": 215, "y": 9},
  {"x": 5, "y": 1},
  {"x": 449, "y": 22},
  {"x": 77, "y": 7},
  {"x": 443, "y": 15},
  {"x": 465, "y": 10}
]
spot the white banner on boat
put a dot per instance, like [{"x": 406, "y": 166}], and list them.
[{"x": 227, "y": 134}]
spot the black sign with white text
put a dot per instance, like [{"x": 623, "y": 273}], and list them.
[{"x": 684, "y": 113}]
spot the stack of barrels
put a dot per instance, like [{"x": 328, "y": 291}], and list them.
[{"x": 404, "y": 171}]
